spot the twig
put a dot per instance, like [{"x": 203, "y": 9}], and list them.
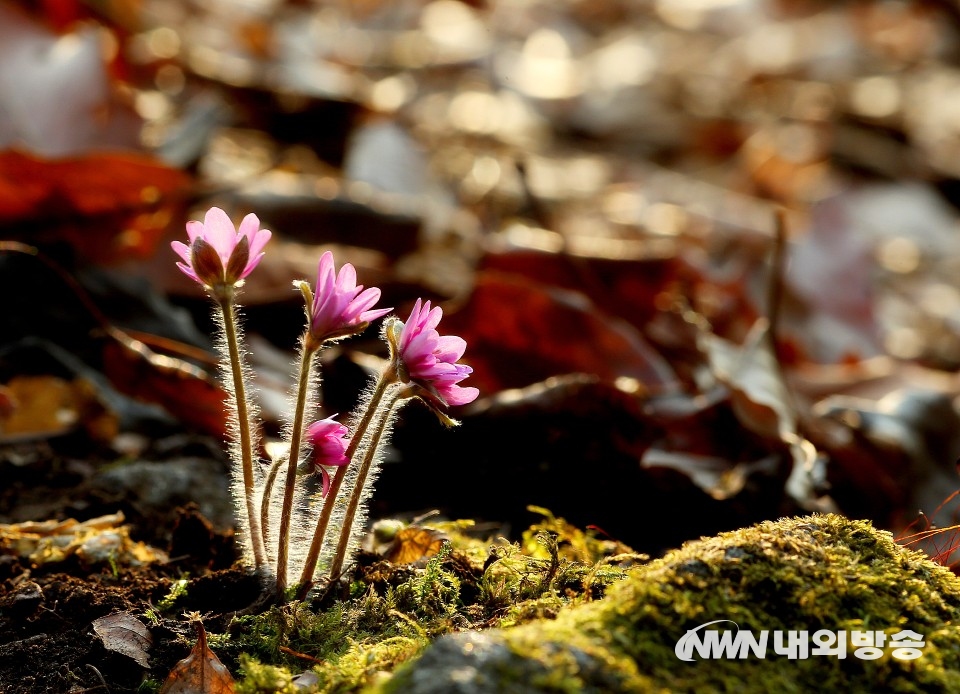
[
  {"x": 103, "y": 682},
  {"x": 775, "y": 284}
]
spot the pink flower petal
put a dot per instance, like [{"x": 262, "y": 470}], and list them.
[
  {"x": 347, "y": 280},
  {"x": 249, "y": 226},
  {"x": 258, "y": 241},
  {"x": 219, "y": 232},
  {"x": 461, "y": 396},
  {"x": 194, "y": 229},
  {"x": 188, "y": 271},
  {"x": 328, "y": 439},
  {"x": 181, "y": 249}
]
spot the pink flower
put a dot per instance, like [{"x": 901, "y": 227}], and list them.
[
  {"x": 329, "y": 445},
  {"x": 340, "y": 307},
  {"x": 430, "y": 359},
  {"x": 218, "y": 254}
]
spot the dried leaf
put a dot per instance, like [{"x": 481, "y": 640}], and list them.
[
  {"x": 124, "y": 634},
  {"x": 43, "y": 406},
  {"x": 108, "y": 206},
  {"x": 201, "y": 672},
  {"x": 413, "y": 544},
  {"x": 762, "y": 403},
  {"x": 718, "y": 477},
  {"x": 750, "y": 371},
  {"x": 521, "y": 332},
  {"x": 625, "y": 284},
  {"x": 184, "y": 390},
  {"x": 93, "y": 541}
]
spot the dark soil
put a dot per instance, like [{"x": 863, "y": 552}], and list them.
[{"x": 47, "y": 643}]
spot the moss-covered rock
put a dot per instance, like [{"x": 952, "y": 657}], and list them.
[{"x": 809, "y": 573}]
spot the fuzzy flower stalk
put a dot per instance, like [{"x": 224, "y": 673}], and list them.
[
  {"x": 423, "y": 364},
  {"x": 219, "y": 257},
  {"x": 336, "y": 308},
  {"x": 309, "y": 509}
]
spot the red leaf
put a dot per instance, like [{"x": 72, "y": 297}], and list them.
[
  {"x": 108, "y": 206},
  {"x": 185, "y": 391},
  {"x": 520, "y": 332},
  {"x": 624, "y": 287}
]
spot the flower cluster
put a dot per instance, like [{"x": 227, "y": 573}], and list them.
[{"x": 423, "y": 364}]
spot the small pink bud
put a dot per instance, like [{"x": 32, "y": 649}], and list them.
[{"x": 328, "y": 438}]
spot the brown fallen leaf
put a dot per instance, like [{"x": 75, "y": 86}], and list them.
[
  {"x": 107, "y": 206},
  {"x": 521, "y": 332},
  {"x": 43, "y": 406},
  {"x": 624, "y": 285},
  {"x": 94, "y": 541},
  {"x": 763, "y": 404},
  {"x": 201, "y": 672},
  {"x": 187, "y": 391},
  {"x": 759, "y": 395},
  {"x": 124, "y": 634},
  {"x": 400, "y": 543}
]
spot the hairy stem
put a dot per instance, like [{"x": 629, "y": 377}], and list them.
[
  {"x": 307, "y": 352},
  {"x": 370, "y": 454},
  {"x": 228, "y": 308},
  {"x": 387, "y": 377},
  {"x": 265, "y": 501}
]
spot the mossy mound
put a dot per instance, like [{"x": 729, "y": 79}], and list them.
[
  {"x": 391, "y": 610},
  {"x": 809, "y": 573}
]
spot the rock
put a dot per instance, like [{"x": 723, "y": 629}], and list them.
[
  {"x": 156, "y": 489},
  {"x": 820, "y": 572},
  {"x": 485, "y": 664}
]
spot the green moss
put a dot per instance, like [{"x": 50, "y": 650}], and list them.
[
  {"x": 270, "y": 637},
  {"x": 393, "y": 612},
  {"x": 556, "y": 566},
  {"x": 352, "y": 640},
  {"x": 264, "y": 679},
  {"x": 434, "y": 592},
  {"x": 178, "y": 589},
  {"x": 364, "y": 665},
  {"x": 810, "y": 573},
  {"x": 149, "y": 686},
  {"x": 821, "y": 572}
]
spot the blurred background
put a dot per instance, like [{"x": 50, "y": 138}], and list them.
[{"x": 705, "y": 253}]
